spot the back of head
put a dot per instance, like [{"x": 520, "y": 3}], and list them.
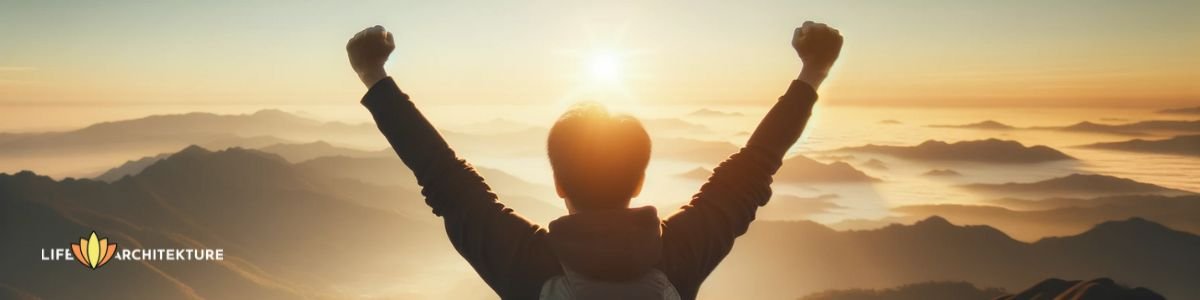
[{"x": 599, "y": 159}]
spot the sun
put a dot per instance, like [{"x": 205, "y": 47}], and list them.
[{"x": 604, "y": 67}]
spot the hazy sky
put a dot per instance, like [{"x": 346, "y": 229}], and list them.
[{"x": 1060, "y": 53}]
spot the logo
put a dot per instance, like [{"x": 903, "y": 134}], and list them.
[{"x": 93, "y": 251}]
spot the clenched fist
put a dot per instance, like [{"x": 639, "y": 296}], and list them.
[
  {"x": 368, "y": 50},
  {"x": 818, "y": 46}
]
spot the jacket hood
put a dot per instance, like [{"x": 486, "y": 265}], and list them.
[{"x": 608, "y": 245}]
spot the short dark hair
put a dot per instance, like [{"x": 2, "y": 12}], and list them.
[{"x": 599, "y": 159}]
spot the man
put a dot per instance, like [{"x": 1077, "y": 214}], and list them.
[{"x": 602, "y": 249}]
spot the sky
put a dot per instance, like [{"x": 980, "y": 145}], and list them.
[{"x": 897, "y": 53}]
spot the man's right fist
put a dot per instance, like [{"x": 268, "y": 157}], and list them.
[
  {"x": 368, "y": 50},
  {"x": 818, "y": 46}
]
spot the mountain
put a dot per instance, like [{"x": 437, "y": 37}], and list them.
[
  {"x": 1180, "y": 145},
  {"x": 1136, "y": 128},
  {"x": 784, "y": 259},
  {"x": 1034, "y": 219},
  {"x": 705, "y": 112},
  {"x": 1182, "y": 111},
  {"x": 190, "y": 128},
  {"x": 287, "y": 234},
  {"x": 989, "y": 124},
  {"x": 699, "y": 173},
  {"x": 1095, "y": 289},
  {"x": 307, "y": 151},
  {"x": 801, "y": 169},
  {"x": 130, "y": 168},
  {"x": 307, "y": 231},
  {"x": 990, "y": 150},
  {"x": 85, "y": 151},
  {"x": 1074, "y": 185},
  {"x": 943, "y": 290}
]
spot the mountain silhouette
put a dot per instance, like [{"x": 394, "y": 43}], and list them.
[
  {"x": 988, "y": 124},
  {"x": 944, "y": 290},
  {"x": 801, "y": 169},
  {"x": 990, "y": 150},
  {"x": 190, "y": 128},
  {"x": 1180, "y": 145},
  {"x": 697, "y": 173},
  {"x": 1033, "y": 219},
  {"x": 786, "y": 259},
  {"x": 307, "y": 151},
  {"x": 82, "y": 152},
  {"x": 130, "y": 168},
  {"x": 269, "y": 218},
  {"x": 1095, "y": 289},
  {"x": 1074, "y": 185},
  {"x": 273, "y": 218},
  {"x": 1135, "y": 128}
]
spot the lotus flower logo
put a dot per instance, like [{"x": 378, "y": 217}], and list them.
[{"x": 93, "y": 251}]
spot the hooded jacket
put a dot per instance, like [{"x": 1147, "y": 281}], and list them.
[
  {"x": 519, "y": 259},
  {"x": 609, "y": 254}
]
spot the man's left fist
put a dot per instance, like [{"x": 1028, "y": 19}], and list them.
[{"x": 368, "y": 50}]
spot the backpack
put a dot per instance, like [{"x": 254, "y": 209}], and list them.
[{"x": 652, "y": 285}]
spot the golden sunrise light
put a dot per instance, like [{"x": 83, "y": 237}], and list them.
[{"x": 627, "y": 149}]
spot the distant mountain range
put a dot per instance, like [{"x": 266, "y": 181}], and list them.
[
  {"x": 784, "y": 259},
  {"x": 1135, "y": 128},
  {"x": 989, "y": 124},
  {"x": 272, "y": 216},
  {"x": 287, "y": 234},
  {"x": 307, "y": 151},
  {"x": 1056, "y": 289},
  {"x": 943, "y": 290},
  {"x": 799, "y": 169},
  {"x": 177, "y": 131},
  {"x": 989, "y": 150},
  {"x": 1132, "y": 128},
  {"x": 1179, "y": 145},
  {"x": 1034, "y": 219},
  {"x": 1074, "y": 185}
]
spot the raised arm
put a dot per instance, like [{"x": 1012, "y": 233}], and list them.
[
  {"x": 493, "y": 239},
  {"x": 699, "y": 236}
]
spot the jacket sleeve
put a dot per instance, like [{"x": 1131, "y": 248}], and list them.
[
  {"x": 507, "y": 250},
  {"x": 697, "y": 237}
]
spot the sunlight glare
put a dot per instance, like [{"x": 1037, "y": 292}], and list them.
[{"x": 605, "y": 67}]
